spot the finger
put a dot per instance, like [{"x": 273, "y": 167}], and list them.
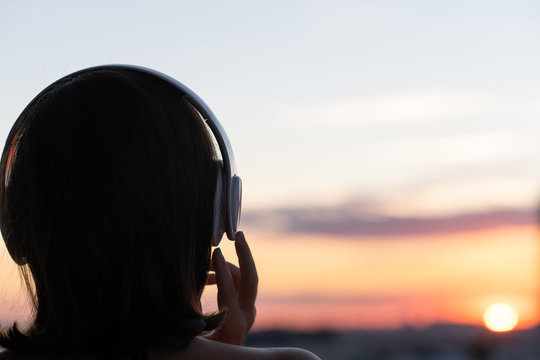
[
  {"x": 249, "y": 278},
  {"x": 236, "y": 275},
  {"x": 235, "y": 272},
  {"x": 211, "y": 279},
  {"x": 225, "y": 283}
]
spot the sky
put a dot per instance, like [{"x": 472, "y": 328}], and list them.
[{"x": 387, "y": 149}]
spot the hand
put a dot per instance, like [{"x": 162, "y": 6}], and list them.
[{"x": 237, "y": 290}]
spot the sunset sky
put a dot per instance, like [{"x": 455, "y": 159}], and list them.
[{"x": 388, "y": 149}]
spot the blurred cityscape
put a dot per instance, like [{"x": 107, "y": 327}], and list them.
[{"x": 438, "y": 342}]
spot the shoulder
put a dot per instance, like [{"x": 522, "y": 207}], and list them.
[
  {"x": 291, "y": 354},
  {"x": 201, "y": 348},
  {"x": 215, "y": 350}
]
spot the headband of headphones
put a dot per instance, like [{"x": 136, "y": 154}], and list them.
[{"x": 228, "y": 198}]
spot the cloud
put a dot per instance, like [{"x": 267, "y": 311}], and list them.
[
  {"x": 353, "y": 220},
  {"x": 453, "y": 150},
  {"x": 416, "y": 107}
]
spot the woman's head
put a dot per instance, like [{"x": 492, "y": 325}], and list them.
[{"x": 107, "y": 192}]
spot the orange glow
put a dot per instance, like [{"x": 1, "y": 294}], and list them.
[
  {"x": 500, "y": 317},
  {"x": 315, "y": 281},
  {"x": 346, "y": 282}
]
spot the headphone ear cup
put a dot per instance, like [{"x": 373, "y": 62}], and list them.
[
  {"x": 234, "y": 206},
  {"x": 218, "y": 208}
]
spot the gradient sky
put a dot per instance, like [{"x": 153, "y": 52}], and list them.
[{"x": 388, "y": 149}]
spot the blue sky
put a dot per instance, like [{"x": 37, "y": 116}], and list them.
[{"x": 416, "y": 107}]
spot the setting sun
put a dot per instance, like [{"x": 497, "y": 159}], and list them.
[{"x": 500, "y": 317}]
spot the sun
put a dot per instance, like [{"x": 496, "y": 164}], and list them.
[{"x": 500, "y": 317}]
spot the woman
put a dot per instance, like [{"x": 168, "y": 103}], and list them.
[{"x": 108, "y": 192}]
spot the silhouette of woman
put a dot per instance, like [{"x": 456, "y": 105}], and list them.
[{"x": 111, "y": 194}]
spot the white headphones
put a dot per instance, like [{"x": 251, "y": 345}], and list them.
[{"x": 228, "y": 198}]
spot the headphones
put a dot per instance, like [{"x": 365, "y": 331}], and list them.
[{"x": 228, "y": 196}]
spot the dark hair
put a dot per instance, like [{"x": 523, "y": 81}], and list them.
[{"x": 107, "y": 185}]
